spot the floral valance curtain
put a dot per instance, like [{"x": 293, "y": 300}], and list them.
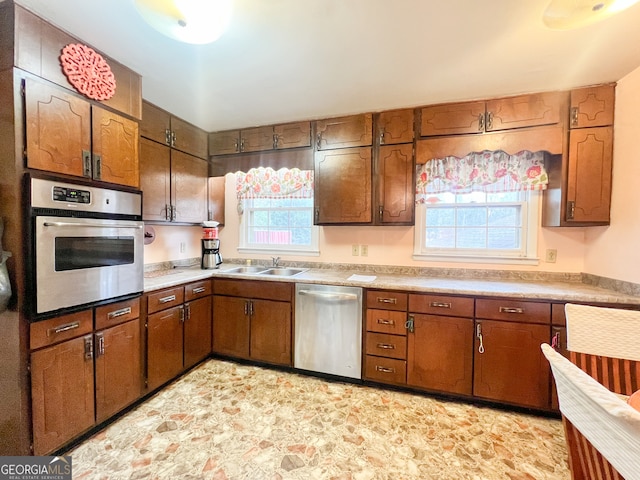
[
  {"x": 485, "y": 171},
  {"x": 265, "y": 182}
]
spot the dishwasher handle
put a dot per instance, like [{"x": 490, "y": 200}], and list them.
[{"x": 330, "y": 296}]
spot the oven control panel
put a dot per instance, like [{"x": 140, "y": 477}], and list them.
[{"x": 71, "y": 195}]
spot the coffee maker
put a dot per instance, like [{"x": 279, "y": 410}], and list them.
[{"x": 211, "y": 257}]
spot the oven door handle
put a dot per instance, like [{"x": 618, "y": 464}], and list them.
[{"x": 96, "y": 225}]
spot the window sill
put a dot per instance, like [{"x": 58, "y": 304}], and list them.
[
  {"x": 276, "y": 251},
  {"x": 477, "y": 259}
]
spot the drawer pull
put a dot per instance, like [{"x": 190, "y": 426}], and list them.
[
  {"x": 119, "y": 313},
  {"x": 511, "y": 310},
  {"x": 63, "y": 328},
  {"x": 441, "y": 304},
  {"x": 168, "y": 299},
  {"x": 384, "y": 321},
  {"x": 386, "y": 346},
  {"x": 199, "y": 290},
  {"x": 385, "y": 369},
  {"x": 387, "y": 300}
]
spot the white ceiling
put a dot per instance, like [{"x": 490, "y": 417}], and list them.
[{"x": 285, "y": 60}]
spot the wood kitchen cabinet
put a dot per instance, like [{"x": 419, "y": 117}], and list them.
[
  {"x": 67, "y": 134},
  {"x": 257, "y": 139},
  {"x": 508, "y": 362},
  {"x": 395, "y": 126},
  {"x": 395, "y": 197},
  {"x": 342, "y": 191},
  {"x": 492, "y": 115},
  {"x": 440, "y": 343},
  {"x": 215, "y": 200},
  {"x": 344, "y": 132},
  {"x": 592, "y": 106},
  {"x": 253, "y": 320}
]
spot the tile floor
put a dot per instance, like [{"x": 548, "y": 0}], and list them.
[{"x": 229, "y": 421}]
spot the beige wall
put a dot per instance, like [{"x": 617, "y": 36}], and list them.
[{"x": 614, "y": 251}]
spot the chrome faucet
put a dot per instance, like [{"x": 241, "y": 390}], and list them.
[{"x": 275, "y": 261}]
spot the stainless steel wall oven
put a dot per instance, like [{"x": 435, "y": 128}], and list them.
[{"x": 87, "y": 245}]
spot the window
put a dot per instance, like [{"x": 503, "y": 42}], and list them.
[
  {"x": 483, "y": 207},
  {"x": 276, "y": 210}
]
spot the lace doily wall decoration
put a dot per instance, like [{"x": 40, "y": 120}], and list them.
[{"x": 88, "y": 72}]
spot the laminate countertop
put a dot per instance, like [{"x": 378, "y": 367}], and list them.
[{"x": 540, "y": 288}]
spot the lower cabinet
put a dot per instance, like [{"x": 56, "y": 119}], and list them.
[
  {"x": 178, "y": 330},
  {"x": 82, "y": 374},
  {"x": 253, "y": 320}
]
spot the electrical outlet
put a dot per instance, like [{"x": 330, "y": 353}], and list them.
[
  {"x": 354, "y": 250},
  {"x": 551, "y": 256},
  {"x": 183, "y": 247},
  {"x": 364, "y": 250}
]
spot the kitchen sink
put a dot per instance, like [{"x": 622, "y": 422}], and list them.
[
  {"x": 247, "y": 269},
  {"x": 283, "y": 272}
]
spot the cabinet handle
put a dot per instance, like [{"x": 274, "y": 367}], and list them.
[
  {"x": 236, "y": 145},
  {"x": 380, "y": 211},
  {"x": 571, "y": 209},
  {"x": 199, "y": 290},
  {"x": 88, "y": 347},
  {"x": 481, "y": 122},
  {"x": 384, "y": 321},
  {"x": 382, "y": 135},
  {"x": 173, "y": 139},
  {"x": 187, "y": 311},
  {"x": 479, "y": 335},
  {"x": 555, "y": 342},
  {"x": 63, "y": 328},
  {"x": 387, "y": 300},
  {"x": 489, "y": 122},
  {"x": 574, "y": 116},
  {"x": 440, "y": 304},
  {"x": 386, "y": 346},
  {"x": 97, "y": 160},
  {"x": 410, "y": 324},
  {"x": 119, "y": 313},
  {"x": 167, "y": 136},
  {"x": 100, "y": 338},
  {"x": 250, "y": 308},
  {"x": 511, "y": 310},
  {"x": 182, "y": 314},
  {"x": 316, "y": 215},
  {"x": 275, "y": 141},
  {"x": 318, "y": 140},
  {"x": 167, "y": 299},
  {"x": 86, "y": 163},
  {"x": 242, "y": 144},
  {"x": 246, "y": 308},
  {"x": 385, "y": 369}
]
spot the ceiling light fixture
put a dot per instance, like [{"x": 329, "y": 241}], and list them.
[
  {"x": 568, "y": 14},
  {"x": 189, "y": 21}
]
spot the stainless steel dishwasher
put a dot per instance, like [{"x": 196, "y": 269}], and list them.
[{"x": 328, "y": 329}]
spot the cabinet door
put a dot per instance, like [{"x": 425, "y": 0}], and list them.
[
  {"x": 592, "y": 106},
  {"x": 271, "y": 332},
  {"x": 395, "y": 184},
  {"x": 155, "y": 180},
  {"x": 155, "y": 124},
  {"x": 58, "y": 130},
  {"x": 452, "y": 119},
  {"x": 343, "y": 186},
  {"x": 512, "y": 367},
  {"x": 292, "y": 135},
  {"x": 351, "y": 131},
  {"x": 395, "y": 127},
  {"x": 256, "y": 139},
  {"x": 440, "y": 354},
  {"x": 231, "y": 326},
  {"x": 118, "y": 381},
  {"x": 523, "y": 111},
  {"x": 189, "y": 187},
  {"x": 188, "y": 138},
  {"x": 115, "y": 148},
  {"x": 589, "y": 175},
  {"x": 62, "y": 389},
  {"x": 164, "y": 346},
  {"x": 197, "y": 330},
  {"x": 216, "y": 189},
  {"x": 224, "y": 143}
]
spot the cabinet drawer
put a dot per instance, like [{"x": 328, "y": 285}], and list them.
[
  {"x": 254, "y": 289},
  {"x": 441, "y": 305},
  {"x": 163, "y": 299},
  {"x": 388, "y": 370},
  {"x": 386, "y": 321},
  {"x": 115, "y": 313},
  {"x": 514, "y": 310},
  {"x": 65, "y": 327},
  {"x": 384, "y": 345},
  {"x": 197, "y": 289},
  {"x": 387, "y": 300}
]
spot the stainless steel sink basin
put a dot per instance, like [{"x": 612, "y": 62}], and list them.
[
  {"x": 247, "y": 269},
  {"x": 283, "y": 272}
]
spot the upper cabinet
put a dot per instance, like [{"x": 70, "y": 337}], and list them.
[
  {"x": 395, "y": 126},
  {"x": 259, "y": 139},
  {"x": 592, "y": 106},
  {"x": 162, "y": 127},
  {"x": 492, "y": 115},
  {"x": 343, "y": 132},
  {"x": 67, "y": 134}
]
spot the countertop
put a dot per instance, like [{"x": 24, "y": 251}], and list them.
[{"x": 521, "y": 289}]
